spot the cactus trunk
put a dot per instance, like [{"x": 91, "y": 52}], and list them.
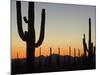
[
  {"x": 90, "y": 44},
  {"x": 30, "y": 54}
]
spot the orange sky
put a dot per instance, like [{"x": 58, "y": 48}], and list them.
[
  {"x": 45, "y": 50},
  {"x": 19, "y": 46}
]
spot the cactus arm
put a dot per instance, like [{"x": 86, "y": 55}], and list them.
[
  {"x": 25, "y": 19},
  {"x": 42, "y": 31},
  {"x": 19, "y": 21}
]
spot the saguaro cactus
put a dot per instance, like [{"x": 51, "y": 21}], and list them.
[
  {"x": 50, "y": 56},
  {"x": 64, "y": 58},
  {"x": 58, "y": 58},
  {"x": 74, "y": 56},
  {"x": 69, "y": 59},
  {"x": 29, "y": 36},
  {"x": 69, "y": 51},
  {"x": 90, "y": 44},
  {"x": 74, "y": 52},
  {"x": 84, "y": 45}
]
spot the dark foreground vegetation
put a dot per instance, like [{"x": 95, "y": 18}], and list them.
[{"x": 53, "y": 63}]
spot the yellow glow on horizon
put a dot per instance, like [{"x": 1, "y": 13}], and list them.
[{"x": 19, "y": 46}]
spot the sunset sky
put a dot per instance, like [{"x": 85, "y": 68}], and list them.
[{"x": 64, "y": 26}]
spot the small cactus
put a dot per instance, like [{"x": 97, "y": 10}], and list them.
[
  {"x": 50, "y": 56},
  {"x": 74, "y": 52},
  {"x": 69, "y": 59},
  {"x": 58, "y": 58},
  {"x": 69, "y": 51},
  {"x": 84, "y": 45},
  {"x": 74, "y": 56}
]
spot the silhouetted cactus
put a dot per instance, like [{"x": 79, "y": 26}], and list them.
[
  {"x": 69, "y": 51},
  {"x": 17, "y": 60},
  {"x": 79, "y": 56},
  {"x": 74, "y": 52},
  {"x": 64, "y": 60},
  {"x": 58, "y": 58},
  {"x": 90, "y": 44},
  {"x": 74, "y": 56},
  {"x": 29, "y": 36},
  {"x": 84, "y": 45},
  {"x": 50, "y": 56},
  {"x": 59, "y": 51},
  {"x": 50, "y": 51},
  {"x": 89, "y": 41},
  {"x": 69, "y": 59}
]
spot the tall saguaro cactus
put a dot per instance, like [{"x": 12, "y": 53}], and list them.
[
  {"x": 29, "y": 36},
  {"x": 90, "y": 48}
]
